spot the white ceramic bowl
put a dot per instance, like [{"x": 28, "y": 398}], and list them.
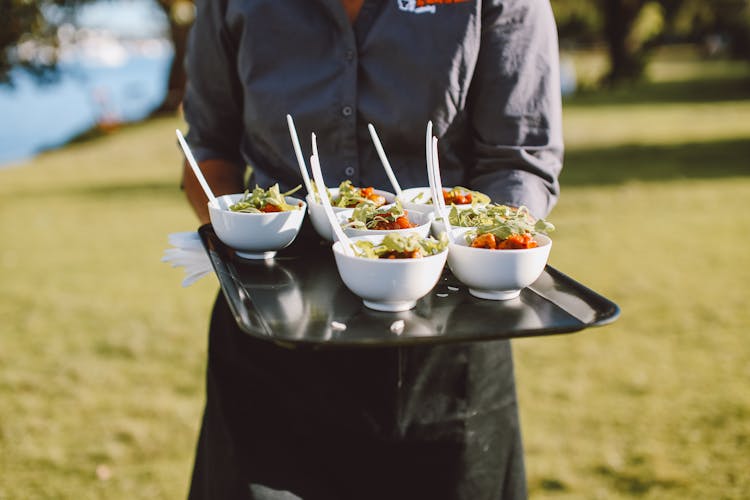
[
  {"x": 388, "y": 284},
  {"x": 438, "y": 226},
  {"x": 407, "y": 197},
  {"x": 255, "y": 236},
  {"x": 422, "y": 220},
  {"x": 497, "y": 274},
  {"x": 318, "y": 216}
]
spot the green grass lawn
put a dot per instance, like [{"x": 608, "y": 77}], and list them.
[
  {"x": 654, "y": 214},
  {"x": 102, "y": 352}
]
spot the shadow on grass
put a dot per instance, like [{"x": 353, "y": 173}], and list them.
[
  {"x": 92, "y": 134},
  {"x": 552, "y": 484},
  {"x": 620, "y": 164},
  {"x": 130, "y": 190},
  {"x": 634, "y": 483},
  {"x": 113, "y": 191},
  {"x": 704, "y": 90}
]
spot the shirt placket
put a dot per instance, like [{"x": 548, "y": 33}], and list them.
[
  {"x": 356, "y": 35},
  {"x": 348, "y": 111}
]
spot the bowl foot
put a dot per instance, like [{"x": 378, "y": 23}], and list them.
[
  {"x": 390, "y": 306},
  {"x": 256, "y": 255},
  {"x": 495, "y": 294}
]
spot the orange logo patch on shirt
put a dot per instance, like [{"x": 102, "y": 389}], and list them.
[
  {"x": 424, "y": 6},
  {"x": 421, "y": 3}
]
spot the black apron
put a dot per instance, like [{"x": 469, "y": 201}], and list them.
[{"x": 419, "y": 422}]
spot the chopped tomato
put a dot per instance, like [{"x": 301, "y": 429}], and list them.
[
  {"x": 403, "y": 222},
  {"x": 377, "y": 199},
  {"x": 517, "y": 241},
  {"x": 513, "y": 242},
  {"x": 486, "y": 240},
  {"x": 270, "y": 208},
  {"x": 369, "y": 193},
  {"x": 456, "y": 198}
]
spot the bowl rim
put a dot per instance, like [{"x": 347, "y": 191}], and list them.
[
  {"x": 213, "y": 208},
  {"x": 336, "y": 248},
  {"x": 428, "y": 218},
  {"x": 385, "y": 193},
  {"x": 427, "y": 189},
  {"x": 461, "y": 242}
]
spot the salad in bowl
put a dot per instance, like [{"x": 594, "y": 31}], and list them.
[
  {"x": 369, "y": 220},
  {"x": 257, "y": 223},
  {"x": 501, "y": 254},
  {"x": 392, "y": 272},
  {"x": 420, "y": 199},
  {"x": 345, "y": 197}
]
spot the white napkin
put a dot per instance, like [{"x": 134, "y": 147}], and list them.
[{"x": 188, "y": 252}]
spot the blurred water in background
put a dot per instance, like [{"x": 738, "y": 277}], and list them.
[
  {"x": 34, "y": 117},
  {"x": 116, "y": 72}
]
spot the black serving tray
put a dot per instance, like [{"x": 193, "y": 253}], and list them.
[{"x": 298, "y": 299}]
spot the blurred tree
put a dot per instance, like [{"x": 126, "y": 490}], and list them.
[
  {"x": 180, "y": 14},
  {"x": 631, "y": 29},
  {"x": 628, "y": 29},
  {"x": 29, "y": 39},
  {"x": 579, "y": 22},
  {"x": 721, "y": 25}
]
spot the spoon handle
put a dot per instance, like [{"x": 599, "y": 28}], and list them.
[
  {"x": 346, "y": 244},
  {"x": 430, "y": 172},
  {"x": 384, "y": 159},
  {"x": 196, "y": 168},
  {"x": 298, "y": 154},
  {"x": 440, "y": 202}
]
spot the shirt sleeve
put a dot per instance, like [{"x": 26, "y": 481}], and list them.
[
  {"x": 515, "y": 106},
  {"x": 213, "y": 96}
]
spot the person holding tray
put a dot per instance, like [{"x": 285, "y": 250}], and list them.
[{"x": 418, "y": 422}]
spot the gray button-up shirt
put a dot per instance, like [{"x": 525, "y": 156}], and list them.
[{"x": 484, "y": 71}]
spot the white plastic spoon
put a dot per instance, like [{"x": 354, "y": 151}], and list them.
[
  {"x": 439, "y": 188},
  {"x": 384, "y": 159},
  {"x": 298, "y": 153},
  {"x": 196, "y": 169},
  {"x": 430, "y": 177},
  {"x": 346, "y": 244}
]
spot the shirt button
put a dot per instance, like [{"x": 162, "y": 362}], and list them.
[
  {"x": 349, "y": 55},
  {"x": 349, "y": 171},
  {"x": 346, "y": 111}
]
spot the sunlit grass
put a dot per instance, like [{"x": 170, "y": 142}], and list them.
[
  {"x": 655, "y": 405},
  {"x": 102, "y": 353},
  {"x": 681, "y": 123},
  {"x": 654, "y": 216},
  {"x": 684, "y": 101}
]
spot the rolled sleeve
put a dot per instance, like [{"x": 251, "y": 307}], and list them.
[
  {"x": 516, "y": 109},
  {"x": 213, "y": 96}
]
